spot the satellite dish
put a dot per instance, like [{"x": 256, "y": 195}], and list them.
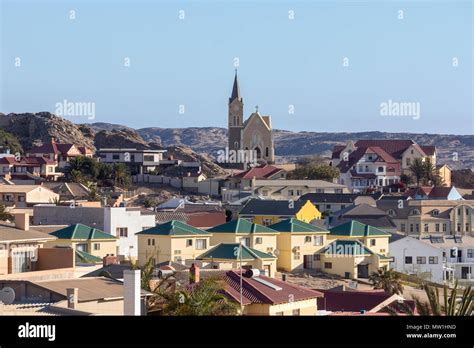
[{"x": 7, "y": 295}]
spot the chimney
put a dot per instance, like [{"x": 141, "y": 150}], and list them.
[
  {"x": 22, "y": 221},
  {"x": 53, "y": 141},
  {"x": 283, "y": 277},
  {"x": 109, "y": 260},
  {"x": 72, "y": 295},
  {"x": 131, "y": 292},
  {"x": 195, "y": 274}
]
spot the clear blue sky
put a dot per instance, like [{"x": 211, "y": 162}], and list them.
[{"x": 190, "y": 62}]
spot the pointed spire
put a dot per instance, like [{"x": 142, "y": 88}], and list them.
[{"x": 235, "y": 89}]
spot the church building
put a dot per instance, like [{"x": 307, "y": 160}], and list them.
[{"x": 254, "y": 134}]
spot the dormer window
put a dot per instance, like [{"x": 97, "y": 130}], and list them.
[
  {"x": 414, "y": 212},
  {"x": 435, "y": 212},
  {"x": 380, "y": 169},
  {"x": 391, "y": 212}
]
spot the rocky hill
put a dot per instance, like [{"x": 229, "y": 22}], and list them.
[
  {"x": 23, "y": 131},
  {"x": 39, "y": 127}
]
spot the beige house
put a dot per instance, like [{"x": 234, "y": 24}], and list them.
[
  {"x": 91, "y": 244},
  {"x": 172, "y": 241},
  {"x": 445, "y": 173},
  {"x": 190, "y": 181},
  {"x": 250, "y": 234},
  {"x": 294, "y": 189},
  {"x": 297, "y": 243},
  {"x": 22, "y": 196},
  {"x": 444, "y": 217}
]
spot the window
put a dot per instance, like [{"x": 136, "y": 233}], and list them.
[
  {"x": 414, "y": 212},
  {"x": 417, "y": 228},
  {"x": 151, "y": 241},
  {"x": 328, "y": 265},
  {"x": 382, "y": 250},
  {"x": 411, "y": 227},
  {"x": 467, "y": 227},
  {"x": 380, "y": 169},
  {"x": 425, "y": 228},
  {"x": 96, "y": 246},
  {"x": 421, "y": 260},
  {"x": 296, "y": 256},
  {"x": 307, "y": 239},
  {"x": 121, "y": 231},
  {"x": 445, "y": 227},
  {"x": 267, "y": 221},
  {"x": 459, "y": 211},
  {"x": 266, "y": 151},
  {"x": 258, "y": 240},
  {"x": 177, "y": 252},
  {"x": 408, "y": 161},
  {"x": 435, "y": 212},
  {"x": 290, "y": 193},
  {"x": 402, "y": 228},
  {"x": 408, "y": 260},
  {"x": 458, "y": 228},
  {"x": 115, "y": 157},
  {"x": 316, "y": 257},
  {"x": 245, "y": 241},
  {"x": 433, "y": 260},
  {"x": 318, "y": 240},
  {"x": 437, "y": 227},
  {"x": 343, "y": 206},
  {"x": 296, "y": 311},
  {"x": 470, "y": 253},
  {"x": 189, "y": 242},
  {"x": 201, "y": 244},
  {"x": 373, "y": 242},
  {"x": 328, "y": 206},
  {"x": 467, "y": 211},
  {"x": 149, "y": 158}
]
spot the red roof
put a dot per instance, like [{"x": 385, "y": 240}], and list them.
[
  {"x": 395, "y": 147},
  {"x": 338, "y": 300},
  {"x": 57, "y": 148},
  {"x": 356, "y": 155},
  {"x": 7, "y": 160},
  {"x": 255, "y": 292},
  {"x": 261, "y": 172},
  {"x": 206, "y": 219},
  {"x": 27, "y": 161}
]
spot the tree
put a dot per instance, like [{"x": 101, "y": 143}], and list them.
[
  {"x": 418, "y": 170},
  {"x": 121, "y": 175},
  {"x": 204, "y": 298},
  {"x": 431, "y": 174},
  {"x": 312, "y": 171},
  {"x": 388, "y": 280},
  {"x": 453, "y": 306},
  {"x": 4, "y": 214},
  {"x": 86, "y": 166},
  {"x": 146, "y": 273}
]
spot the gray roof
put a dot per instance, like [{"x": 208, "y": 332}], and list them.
[
  {"x": 271, "y": 207},
  {"x": 10, "y": 234}
]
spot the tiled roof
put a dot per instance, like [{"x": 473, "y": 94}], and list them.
[
  {"x": 262, "y": 172},
  {"x": 255, "y": 292},
  {"x": 356, "y": 229},
  {"x": 12, "y": 234},
  {"x": 173, "y": 228},
  {"x": 395, "y": 147},
  {"x": 231, "y": 251},
  {"x": 80, "y": 231},
  {"x": 296, "y": 226},
  {"x": 83, "y": 257},
  {"x": 271, "y": 207},
  {"x": 240, "y": 226},
  {"x": 315, "y": 198}
]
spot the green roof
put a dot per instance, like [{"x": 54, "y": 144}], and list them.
[
  {"x": 230, "y": 251},
  {"x": 83, "y": 257},
  {"x": 296, "y": 226},
  {"x": 357, "y": 229},
  {"x": 173, "y": 228},
  {"x": 345, "y": 247},
  {"x": 240, "y": 226},
  {"x": 383, "y": 257},
  {"x": 80, "y": 231}
]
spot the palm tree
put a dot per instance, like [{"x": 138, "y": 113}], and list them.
[
  {"x": 146, "y": 273},
  {"x": 418, "y": 170},
  {"x": 204, "y": 298},
  {"x": 4, "y": 214},
  {"x": 453, "y": 306},
  {"x": 431, "y": 174},
  {"x": 388, "y": 280},
  {"x": 121, "y": 175}
]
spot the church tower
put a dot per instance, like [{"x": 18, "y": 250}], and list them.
[{"x": 236, "y": 117}]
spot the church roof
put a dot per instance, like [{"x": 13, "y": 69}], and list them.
[{"x": 235, "y": 90}]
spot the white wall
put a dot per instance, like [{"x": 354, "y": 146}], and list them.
[
  {"x": 134, "y": 221},
  {"x": 409, "y": 246}
]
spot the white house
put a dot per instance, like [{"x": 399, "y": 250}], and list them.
[
  {"x": 123, "y": 223},
  {"x": 436, "y": 258}
]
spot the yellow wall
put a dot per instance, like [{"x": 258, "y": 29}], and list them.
[
  {"x": 287, "y": 241},
  {"x": 268, "y": 245},
  {"x": 308, "y": 212},
  {"x": 306, "y": 307},
  {"x": 380, "y": 247},
  {"x": 342, "y": 264},
  {"x": 107, "y": 246},
  {"x": 169, "y": 248}
]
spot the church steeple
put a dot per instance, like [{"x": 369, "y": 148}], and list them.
[{"x": 235, "y": 90}]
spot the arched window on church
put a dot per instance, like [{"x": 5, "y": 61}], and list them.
[
  {"x": 235, "y": 122},
  {"x": 266, "y": 152},
  {"x": 236, "y": 145}
]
